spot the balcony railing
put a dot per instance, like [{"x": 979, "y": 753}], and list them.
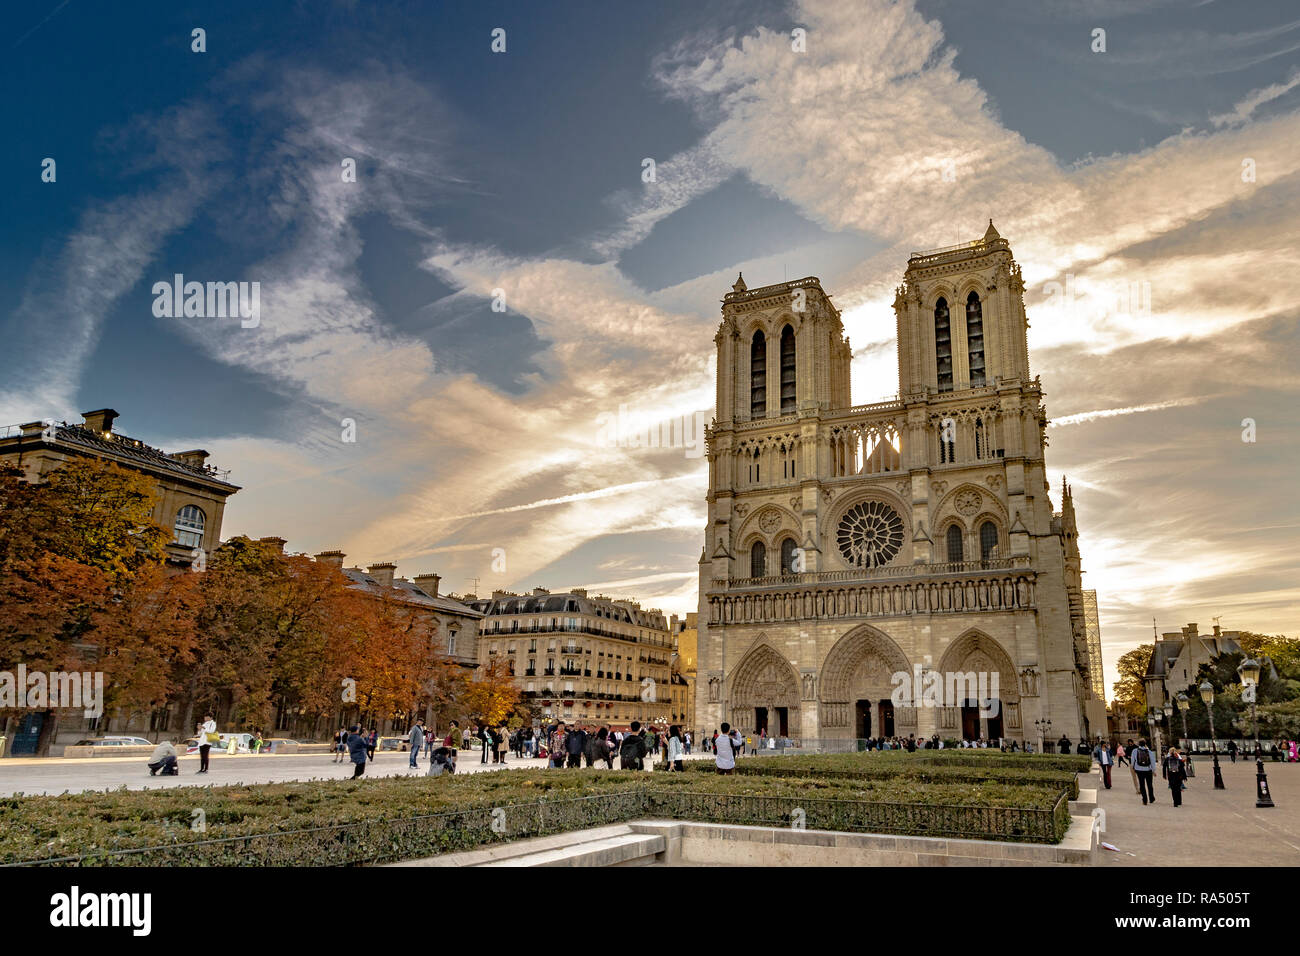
[{"x": 872, "y": 574}]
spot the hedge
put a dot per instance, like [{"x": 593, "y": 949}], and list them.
[
  {"x": 864, "y": 767},
  {"x": 373, "y": 821},
  {"x": 973, "y": 757}
]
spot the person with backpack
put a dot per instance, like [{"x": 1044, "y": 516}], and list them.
[
  {"x": 1175, "y": 775},
  {"x": 1144, "y": 765},
  {"x": 724, "y": 750},
  {"x": 632, "y": 752}
]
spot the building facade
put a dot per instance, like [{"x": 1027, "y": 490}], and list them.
[
  {"x": 191, "y": 493},
  {"x": 855, "y": 550},
  {"x": 589, "y": 659},
  {"x": 1176, "y": 659}
]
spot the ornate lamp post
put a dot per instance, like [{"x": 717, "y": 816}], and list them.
[
  {"x": 1249, "y": 672},
  {"x": 1044, "y": 727},
  {"x": 1207, "y": 695},
  {"x": 1155, "y": 730},
  {"x": 1183, "y": 704}
]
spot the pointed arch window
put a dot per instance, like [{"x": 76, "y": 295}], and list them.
[
  {"x": 943, "y": 345},
  {"x": 757, "y": 560},
  {"x": 988, "y": 540},
  {"x": 758, "y": 376},
  {"x": 787, "y": 371},
  {"x": 954, "y": 544},
  {"x": 975, "y": 339},
  {"x": 788, "y": 549}
]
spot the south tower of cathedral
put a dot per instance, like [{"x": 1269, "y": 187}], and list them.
[{"x": 848, "y": 544}]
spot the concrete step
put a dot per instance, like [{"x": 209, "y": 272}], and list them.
[
  {"x": 629, "y": 849},
  {"x": 1085, "y": 804}
]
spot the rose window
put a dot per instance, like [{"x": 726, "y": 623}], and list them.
[{"x": 870, "y": 534}]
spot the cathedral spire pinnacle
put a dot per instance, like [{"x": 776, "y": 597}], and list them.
[
  {"x": 991, "y": 233},
  {"x": 740, "y": 283}
]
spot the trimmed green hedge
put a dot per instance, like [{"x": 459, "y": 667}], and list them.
[
  {"x": 866, "y": 767},
  {"x": 371, "y": 821}
]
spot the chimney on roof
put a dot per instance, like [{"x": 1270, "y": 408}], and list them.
[
  {"x": 1217, "y": 632},
  {"x": 278, "y": 542},
  {"x": 428, "y": 583},
  {"x": 1190, "y": 630},
  {"x": 195, "y": 458},
  {"x": 383, "y": 573},
  {"x": 100, "y": 422},
  {"x": 332, "y": 558}
]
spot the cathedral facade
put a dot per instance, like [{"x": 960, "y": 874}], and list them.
[{"x": 859, "y": 557}]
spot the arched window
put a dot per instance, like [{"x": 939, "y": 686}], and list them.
[
  {"x": 975, "y": 340},
  {"x": 943, "y": 345},
  {"x": 954, "y": 544},
  {"x": 788, "y": 549},
  {"x": 988, "y": 540},
  {"x": 787, "y": 371},
  {"x": 189, "y": 526},
  {"x": 758, "y": 376},
  {"x": 757, "y": 560}
]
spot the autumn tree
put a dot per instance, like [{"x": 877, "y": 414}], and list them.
[
  {"x": 1129, "y": 690},
  {"x": 489, "y": 697},
  {"x": 71, "y": 547}
]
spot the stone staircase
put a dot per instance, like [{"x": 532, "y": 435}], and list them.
[{"x": 618, "y": 845}]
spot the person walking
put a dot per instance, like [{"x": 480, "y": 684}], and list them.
[
  {"x": 1104, "y": 760},
  {"x": 676, "y": 747},
  {"x": 340, "y": 744},
  {"x": 724, "y": 752},
  {"x": 574, "y": 745},
  {"x": 1144, "y": 765},
  {"x": 1063, "y": 745},
  {"x": 416, "y": 742},
  {"x": 1175, "y": 775},
  {"x": 357, "y": 750},
  {"x": 1232, "y": 750},
  {"x": 372, "y": 742},
  {"x": 207, "y": 730},
  {"x": 485, "y": 743},
  {"x": 1119, "y": 754}
]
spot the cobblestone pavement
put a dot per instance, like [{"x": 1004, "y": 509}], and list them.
[{"x": 1211, "y": 828}]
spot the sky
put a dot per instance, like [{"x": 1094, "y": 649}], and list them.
[{"x": 499, "y": 282}]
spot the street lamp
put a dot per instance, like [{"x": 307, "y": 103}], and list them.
[
  {"x": 1183, "y": 704},
  {"x": 1044, "y": 727},
  {"x": 1155, "y": 730},
  {"x": 1207, "y": 695},
  {"x": 1249, "y": 673}
]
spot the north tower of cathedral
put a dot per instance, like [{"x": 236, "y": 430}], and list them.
[{"x": 850, "y": 544}]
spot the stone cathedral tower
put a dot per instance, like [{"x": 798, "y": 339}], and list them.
[{"x": 850, "y": 544}]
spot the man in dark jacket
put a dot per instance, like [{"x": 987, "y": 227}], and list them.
[
  {"x": 632, "y": 752},
  {"x": 1144, "y": 764},
  {"x": 357, "y": 750},
  {"x": 1175, "y": 773},
  {"x": 574, "y": 745}
]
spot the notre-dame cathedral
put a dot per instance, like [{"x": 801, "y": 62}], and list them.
[{"x": 849, "y": 544}]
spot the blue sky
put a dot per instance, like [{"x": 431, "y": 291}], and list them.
[{"x": 522, "y": 172}]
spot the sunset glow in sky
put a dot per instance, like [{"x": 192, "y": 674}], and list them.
[{"x": 1151, "y": 194}]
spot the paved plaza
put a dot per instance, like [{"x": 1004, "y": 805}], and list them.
[
  {"x": 1211, "y": 828},
  {"x": 54, "y": 775}
]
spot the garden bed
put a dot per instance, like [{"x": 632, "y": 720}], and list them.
[{"x": 374, "y": 821}]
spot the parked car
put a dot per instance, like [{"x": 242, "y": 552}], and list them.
[
  {"x": 114, "y": 742},
  {"x": 242, "y": 742},
  {"x": 394, "y": 743}
]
